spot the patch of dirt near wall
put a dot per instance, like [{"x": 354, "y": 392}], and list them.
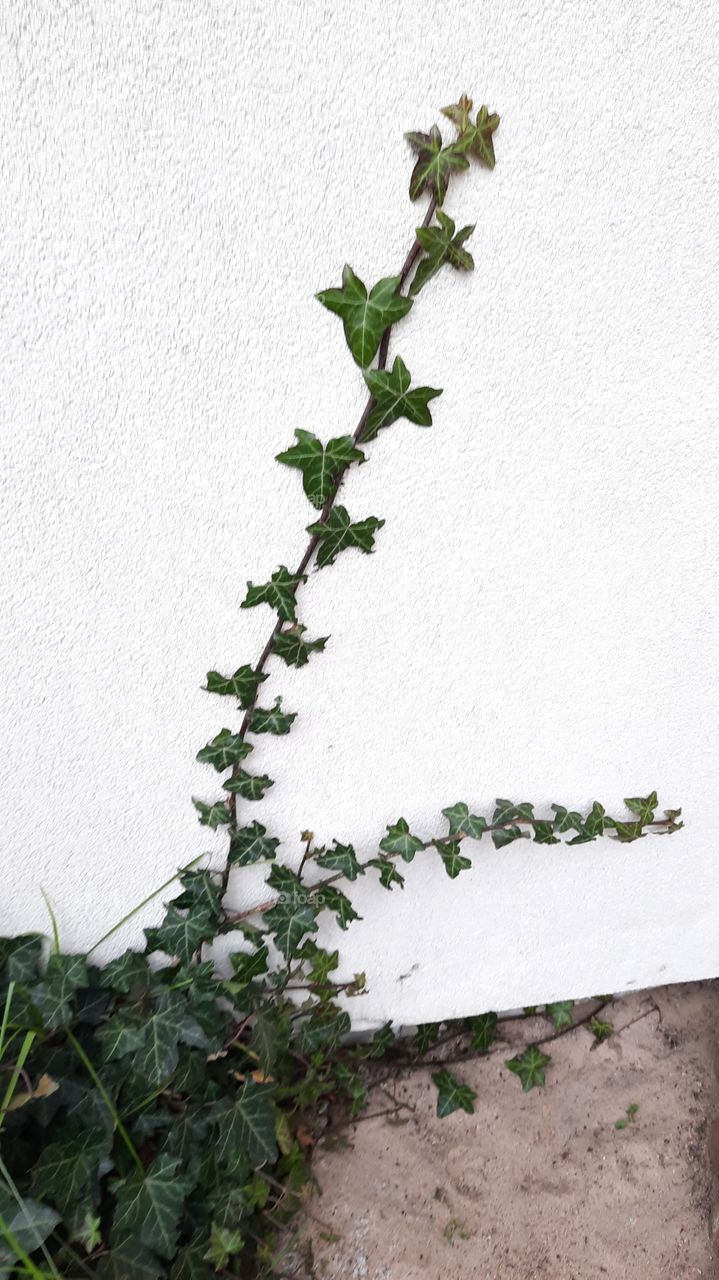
[{"x": 540, "y": 1185}]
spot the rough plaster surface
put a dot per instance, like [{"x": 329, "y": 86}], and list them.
[{"x": 540, "y": 619}]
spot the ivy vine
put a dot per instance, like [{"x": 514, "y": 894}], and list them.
[{"x": 157, "y": 1115}]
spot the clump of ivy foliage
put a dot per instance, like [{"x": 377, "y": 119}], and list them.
[{"x": 158, "y": 1112}]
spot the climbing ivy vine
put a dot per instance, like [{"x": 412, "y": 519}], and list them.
[{"x": 158, "y": 1112}]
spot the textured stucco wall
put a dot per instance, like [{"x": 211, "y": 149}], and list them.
[{"x": 540, "y": 618}]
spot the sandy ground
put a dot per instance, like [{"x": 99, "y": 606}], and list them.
[{"x": 539, "y": 1186}]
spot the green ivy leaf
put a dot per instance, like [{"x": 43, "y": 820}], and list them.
[
  {"x": 279, "y": 593},
  {"x": 226, "y": 749},
  {"x": 242, "y": 685},
  {"x": 128, "y": 972},
  {"x": 190, "y": 1265},
  {"x": 462, "y": 822},
  {"x": 441, "y": 244},
  {"x": 321, "y": 464},
  {"x": 29, "y": 1225},
  {"x": 225, "y": 1243},
  {"x": 251, "y": 844},
  {"x": 564, "y": 820},
  {"x": 544, "y": 832},
  {"x": 476, "y": 139},
  {"x": 123, "y": 1033},
  {"x": 389, "y": 876},
  {"x": 560, "y": 1013},
  {"x": 627, "y": 831},
  {"x": 130, "y": 1260},
  {"x": 529, "y": 1066},
  {"x": 149, "y": 1205},
  {"x": 20, "y": 958},
  {"x": 393, "y": 399},
  {"x": 343, "y": 858},
  {"x": 338, "y": 533},
  {"x": 248, "y": 965},
  {"x": 248, "y": 1125},
  {"x": 334, "y": 900},
  {"x": 251, "y": 786},
  {"x": 365, "y": 316},
  {"x": 400, "y": 841},
  {"x": 65, "y": 1171},
  {"x": 272, "y": 719},
  {"x": 324, "y": 1029},
  {"x": 506, "y": 835},
  {"x": 600, "y": 1029},
  {"x": 53, "y": 996},
  {"x": 213, "y": 815},
  {"x": 452, "y": 1095},
  {"x": 435, "y": 164},
  {"x": 482, "y": 1030},
  {"x": 201, "y": 891},
  {"x": 292, "y": 917},
  {"x": 426, "y": 1035},
  {"x": 294, "y": 650},
  {"x": 644, "y": 806},
  {"x": 460, "y": 113},
  {"x": 452, "y": 860},
  {"x": 595, "y": 823},
  {"x": 181, "y": 933},
  {"x": 382, "y": 1040}
]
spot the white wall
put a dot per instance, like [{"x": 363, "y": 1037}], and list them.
[{"x": 540, "y": 619}]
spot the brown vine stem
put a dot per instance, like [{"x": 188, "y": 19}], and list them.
[{"x": 313, "y": 543}]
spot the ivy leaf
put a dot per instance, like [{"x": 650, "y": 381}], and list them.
[
  {"x": 482, "y": 1030},
  {"x": 506, "y": 835},
  {"x": 400, "y": 841},
  {"x": 289, "y": 921},
  {"x": 149, "y": 1205},
  {"x": 190, "y": 1265},
  {"x": 248, "y": 965},
  {"x": 294, "y": 650},
  {"x": 382, "y": 1040},
  {"x": 452, "y": 1095},
  {"x": 128, "y": 972},
  {"x": 564, "y": 820},
  {"x": 249, "y": 1124},
  {"x": 53, "y": 996},
  {"x": 130, "y": 1260},
  {"x": 529, "y": 1066},
  {"x": 643, "y": 806},
  {"x": 544, "y": 832},
  {"x": 426, "y": 1035},
  {"x": 65, "y": 1171},
  {"x": 226, "y": 749},
  {"x": 251, "y": 844},
  {"x": 123, "y": 1033},
  {"x": 441, "y": 244},
  {"x": 320, "y": 464},
  {"x": 158, "y": 1056},
  {"x": 334, "y": 900},
  {"x": 476, "y": 139},
  {"x": 435, "y": 164},
  {"x": 601, "y": 1030},
  {"x": 337, "y": 533},
  {"x": 388, "y": 873},
  {"x": 452, "y": 859},
  {"x": 251, "y": 786},
  {"x": 560, "y": 1013},
  {"x": 225, "y": 1242},
  {"x": 181, "y": 933},
  {"x": 595, "y": 823},
  {"x": 279, "y": 593},
  {"x": 462, "y": 822},
  {"x": 242, "y": 685},
  {"x": 29, "y": 1224},
  {"x": 627, "y": 831},
  {"x": 365, "y": 316},
  {"x": 393, "y": 399},
  {"x": 324, "y": 1030},
  {"x": 272, "y": 719},
  {"x": 341, "y": 858},
  {"x": 460, "y": 112},
  {"x": 201, "y": 892},
  {"x": 213, "y": 815},
  {"x": 20, "y": 957}
]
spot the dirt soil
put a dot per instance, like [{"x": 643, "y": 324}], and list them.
[{"x": 540, "y": 1185}]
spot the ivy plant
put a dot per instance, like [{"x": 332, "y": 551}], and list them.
[{"x": 157, "y": 1112}]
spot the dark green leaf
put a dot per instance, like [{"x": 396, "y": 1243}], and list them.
[
  {"x": 272, "y": 719},
  {"x": 506, "y": 835},
  {"x": 213, "y": 815},
  {"x": 279, "y": 593},
  {"x": 476, "y": 139},
  {"x": 20, "y": 958},
  {"x": 389, "y": 876},
  {"x": 226, "y": 749},
  {"x": 365, "y": 316},
  {"x": 529, "y": 1066},
  {"x": 441, "y": 244},
  {"x": 337, "y": 533},
  {"x": 251, "y": 786},
  {"x": 341, "y": 858},
  {"x": 130, "y": 1260},
  {"x": 190, "y": 1265},
  {"x": 242, "y": 685},
  {"x": 248, "y": 1125},
  {"x": 560, "y": 1013},
  {"x": 251, "y": 844},
  {"x": 564, "y": 820},
  {"x": 462, "y": 822},
  {"x": 459, "y": 113},
  {"x": 426, "y": 1035},
  {"x": 452, "y": 860},
  {"x": 334, "y": 900},
  {"x": 435, "y": 164},
  {"x": 294, "y": 650},
  {"x": 181, "y": 933},
  {"x": 544, "y": 832},
  {"x": 29, "y": 1225},
  {"x": 628, "y": 831},
  {"x": 452, "y": 1095},
  {"x": 65, "y": 1171},
  {"x": 601, "y": 1030},
  {"x": 321, "y": 464},
  {"x": 293, "y": 916},
  {"x": 149, "y": 1206},
  {"x": 482, "y": 1030},
  {"x": 201, "y": 890},
  {"x": 643, "y": 806},
  {"x": 324, "y": 1029},
  {"x": 248, "y": 965},
  {"x": 400, "y": 841},
  {"x": 382, "y": 1040},
  {"x": 129, "y": 972},
  {"x": 393, "y": 399},
  {"x": 123, "y": 1033}
]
